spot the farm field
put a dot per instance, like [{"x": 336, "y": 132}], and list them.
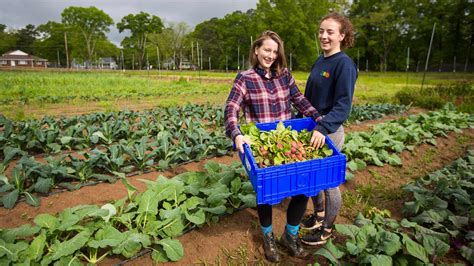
[
  {"x": 32, "y": 94},
  {"x": 98, "y": 156}
]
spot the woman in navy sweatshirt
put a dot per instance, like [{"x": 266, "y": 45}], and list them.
[{"x": 330, "y": 88}]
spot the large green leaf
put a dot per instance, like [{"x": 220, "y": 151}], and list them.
[
  {"x": 196, "y": 218},
  {"x": 43, "y": 185},
  {"x": 132, "y": 244},
  {"x": 31, "y": 199},
  {"x": 434, "y": 246},
  {"x": 348, "y": 230},
  {"x": 107, "y": 237},
  {"x": 47, "y": 221},
  {"x": 148, "y": 203},
  {"x": 192, "y": 202},
  {"x": 217, "y": 198},
  {"x": 330, "y": 252},
  {"x": 159, "y": 255},
  {"x": 70, "y": 246},
  {"x": 216, "y": 210},
  {"x": 468, "y": 253},
  {"x": 378, "y": 260},
  {"x": 69, "y": 261},
  {"x": 10, "y": 199},
  {"x": 25, "y": 231},
  {"x": 391, "y": 243},
  {"x": 36, "y": 248},
  {"x": 414, "y": 249},
  {"x": 249, "y": 200},
  {"x": 12, "y": 250},
  {"x": 173, "y": 248}
]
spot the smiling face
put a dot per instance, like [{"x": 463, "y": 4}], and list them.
[
  {"x": 267, "y": 53},
  {"x": 330, "y": 37}
]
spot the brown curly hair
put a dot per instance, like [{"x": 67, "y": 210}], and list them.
[{"x": 346, "y": 28}]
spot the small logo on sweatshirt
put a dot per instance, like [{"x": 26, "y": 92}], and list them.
[{"x": 324, "y": 74}]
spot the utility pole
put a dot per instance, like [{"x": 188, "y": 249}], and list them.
[
  {"x": 238, "y": 57},
  {"x": 123, "y": 61},
  {"x": 197, "y": 54},
  {"x": 192, "y": 52},
  {"x": 408, "y": 64},
  {"x": 158, "y": 58},
  {"x": 358, "y": 60},
  {"x": 59, "y": 63},
  {"x": 291, "y": 62},
  {"x": 201, "y": 58},
  {"x": 67, "y": 54},
  {"x": 147, "y": 64},
  {"x": 454, "y": 64},
  {"x": 174, "y": 60},
  {"x": 428, "y": 56}
]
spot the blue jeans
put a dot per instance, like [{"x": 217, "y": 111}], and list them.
[{"x": 332, "y": 196}]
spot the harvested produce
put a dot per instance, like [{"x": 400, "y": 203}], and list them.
[{"x": 282, "y": 145}]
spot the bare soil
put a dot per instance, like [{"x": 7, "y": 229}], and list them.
[{"x": 236, "y": 239}]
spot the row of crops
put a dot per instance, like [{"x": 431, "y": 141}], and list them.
[
  {"x": 167, "y": 209},
  {"x": 50, "y": 136},
  {"x": 32, "y": 176},
  {"x": 439, "y": 217},
  {"x": 440, "y": 213}
]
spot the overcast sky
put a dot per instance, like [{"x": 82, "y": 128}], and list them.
[{"x": 18, "y": 13}]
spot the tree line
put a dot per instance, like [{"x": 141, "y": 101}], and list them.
[{"x": 390, "y": 35}]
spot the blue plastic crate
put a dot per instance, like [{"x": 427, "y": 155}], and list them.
[{"x": 275, "y": 183}]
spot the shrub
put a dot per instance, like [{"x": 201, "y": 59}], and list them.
[{"x": 462, "y": 95}]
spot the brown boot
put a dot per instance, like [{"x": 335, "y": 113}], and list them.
[
  {"x": 293, "y": 244},
  {"x": 270, "y": 248}
]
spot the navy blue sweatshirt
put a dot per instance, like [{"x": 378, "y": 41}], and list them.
[{"x": 330, "y": 88}]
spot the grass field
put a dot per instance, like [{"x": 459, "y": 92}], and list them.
[{"x": 27, "y": 94}]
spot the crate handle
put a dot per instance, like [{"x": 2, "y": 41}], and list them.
[{"x": 245, "y": 157}]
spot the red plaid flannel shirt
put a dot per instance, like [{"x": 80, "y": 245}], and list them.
[{"x": 264, "y": 99}]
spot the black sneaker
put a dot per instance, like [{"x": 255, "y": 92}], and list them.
[
  {"x": 270, "y": 248},
  {"x": 313, "y": 221},
  {"x": 317, "y": 237}
]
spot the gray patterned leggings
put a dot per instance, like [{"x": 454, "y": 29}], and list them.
[{"x": 332, "y": 196}]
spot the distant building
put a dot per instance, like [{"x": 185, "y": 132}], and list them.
[
  {"x": 169, "y": 64},
  {"x": 19, "y": 58},
  {"x": 107, "y": 63}
]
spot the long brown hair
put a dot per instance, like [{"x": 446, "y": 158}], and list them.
[
  {"x": 280, "y": 62},
  {"x": 346, "y": 28}
]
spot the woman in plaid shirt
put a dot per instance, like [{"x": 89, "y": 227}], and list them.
[{"x": 265, "y": 93}]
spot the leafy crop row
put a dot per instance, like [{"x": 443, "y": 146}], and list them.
[
  {"x": 382, "y": 144},
  {"x": 51, "y": 136},
  {"x": 150, "y": 220},
  {"x": 30, "y": 176},
  {"x": 444, "y": 202},
  {"x": 374, "y": 111},
  {"x": 441, "y": 218},
  {"x": 382, "y": 241}
]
